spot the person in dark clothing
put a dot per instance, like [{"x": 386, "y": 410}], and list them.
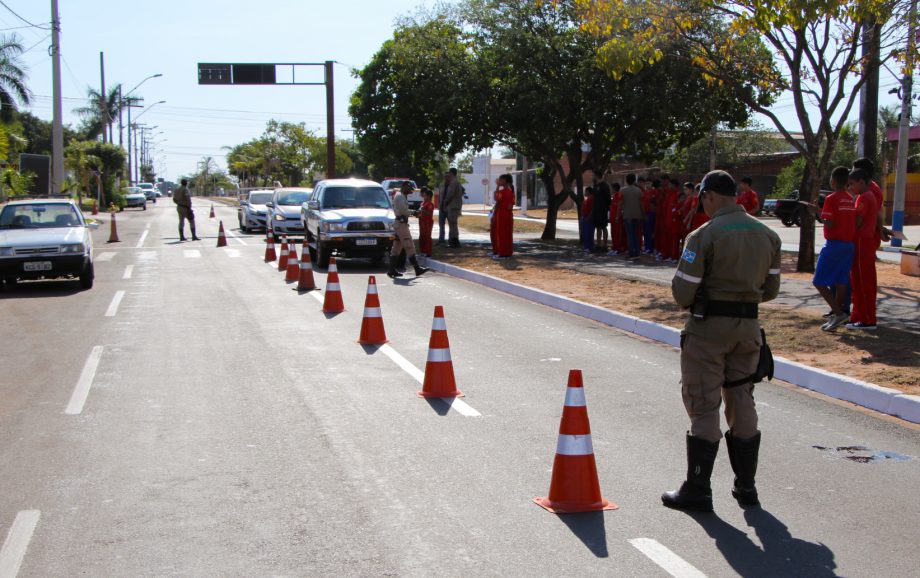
[{"x": 600, "y": 212}]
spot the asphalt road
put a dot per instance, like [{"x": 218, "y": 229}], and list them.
[{"x": 194, "y": 415}]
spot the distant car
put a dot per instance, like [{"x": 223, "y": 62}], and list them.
[
  {"x": 149, "y": 190},
  {"x": 284, "y": 210},
  {"x": 135, "y": 197},
  {"x": 769, "y": 206},
  {"x": 789, "y": 211},
  {"x": 253, "y": 211},
  {"x": 352, "y": 217},
  {"x": 45, "y": 239},
  {"x": 393, "y": 184}
]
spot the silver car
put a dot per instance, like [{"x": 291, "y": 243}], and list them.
[
  {"x": 284, "y": 210},
  {"x": 135, "y": 197},
  {"x": 352, "y": 217},
  {"x": 253, "y": 211},
  {"x": 45, "y": 239}
]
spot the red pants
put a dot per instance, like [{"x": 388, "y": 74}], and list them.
[
  {"x": 863, "y": 282},
  {"x": 618, "y": 236},
  {"x": 424, "y": 236}
]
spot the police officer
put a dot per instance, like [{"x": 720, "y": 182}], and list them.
[
  {"x": 729, "y": 266},
  {"x": 403, "y": 235},
  {"x": 183, "y": 201}
]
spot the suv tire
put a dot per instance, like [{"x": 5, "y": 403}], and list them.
[
  {"x": 87, "y": 276},
  {"x": 322, "y": 254}
]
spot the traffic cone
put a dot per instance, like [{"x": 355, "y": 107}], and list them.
[
  {"x": 574, "y": 486},
  {"x": 270, "y": 249},
  {"x": 212, "y": 215},
  {"x": 439, "y": 370},
  {"x": 372, "y": 331},
  {"x": 283, "y": 259},
  {"x": 293, "y": 266},
  {"x": 221, "y": 236},
  {"x": 305, "y": 281},
  {"x": 113, "y": 232},
  {"x": 95, "y": 207},
  {"x": 332, "y": 302}
]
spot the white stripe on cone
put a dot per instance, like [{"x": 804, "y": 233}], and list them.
[
  {"x": 305, "y": 265},
  {"x": 372, "y": 312},
  {"x": 575, "y": 397},
  {"x": 439, "y": 324},
  {"x": 332, "y": 269},
  {"x": 332, "y": 287},
  {"x": 570, "y": 445},
  {"x": 372, "y": 289},
  {"x": 438, "y": 355}
]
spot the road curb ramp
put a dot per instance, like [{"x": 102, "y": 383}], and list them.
[
  {"x": 439, "y": 369},
  {"x": 332, "y": 300},
  {"x": 574, "y": 486},
  {"x": 372, "y": 330},
  {"x": 212, "y": 215},
  {"x": 283, "y": 258},
  {"x": 221, "y": 236},
  {"x": 113, "y": 231},
  {"x": 305, "y": 281},
  {"x": 293, "y": 265}
]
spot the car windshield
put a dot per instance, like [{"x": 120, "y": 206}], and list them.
[
  {"x": 146, "y": 186},
  {"x": 39, "y": 216},
  {"x": 294, "y": 197},
  {"x": 355, "y": 198},
  {"x": 259, "y": 198},
  {"x": 135, "y": 191}
]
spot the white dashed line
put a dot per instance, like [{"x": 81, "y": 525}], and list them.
[
  {"x": 233, "y": 253},
  {"x": 455, "y": 403},
  {"x": 666, "y": 559},
  {"x": 140, "y": 242},
  {"x": 192, "y": 253},
  {"x": 236, "y": 238},
  {"x": 81, "y": 391},
  {"x": 318, "y": 296},
  {"x": 129, "y": 270},
  {"x": 106, "y": 256},
  {"x": 17, "y": 542},
  {"x": 113, "y": 306}
]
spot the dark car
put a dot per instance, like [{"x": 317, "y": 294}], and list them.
[{"x": 789, "y": 210}]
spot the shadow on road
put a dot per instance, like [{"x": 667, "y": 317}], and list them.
[
  {"x": 40, "y": 289},
  {"x": 440, "y": 406},
  {"x": 589, "y": 528},
  {"x": 782, "y": 554}
]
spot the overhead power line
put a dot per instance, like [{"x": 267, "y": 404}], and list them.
[{"x": 32, "y": 24}]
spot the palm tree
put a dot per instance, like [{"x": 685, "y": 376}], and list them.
[
  {"x": 100, "y": 113},
  {"x": 12, "y": 77}
]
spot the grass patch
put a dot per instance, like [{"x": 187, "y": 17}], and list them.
[{"x": 478, "y": 224}]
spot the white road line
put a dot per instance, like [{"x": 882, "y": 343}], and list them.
[
  {"x": 129, "y": 270},
  {"x": 668, "y": 560},
  {"x": 81, "y": 391},
  {"x": 455, "y": 403},
  {"x": 233, "y": 253},
  {"x": 235, "y": 237},
  {"x": 17, "y": 542},
  {"x": 140, "y": 242},
  {"x": 192, "y": 253},
  {"x": 105, "y": 256},
  {"x": 148, "y": 226},
  {"x": 113, "y": 306},
  {"x": 318, "y": 296}
]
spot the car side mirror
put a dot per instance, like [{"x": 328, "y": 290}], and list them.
[
  {"x": 313, "y": 205},
  {"x": 269, "y": 204},
  {"x": 93, "y": 225}
]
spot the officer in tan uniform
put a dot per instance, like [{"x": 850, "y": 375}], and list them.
[
  {"x": 729, "y": 266},
  {"x": 183, "y": 201},
  {"x": 403, "y": 235}
]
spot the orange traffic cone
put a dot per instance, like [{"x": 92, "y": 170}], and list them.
[
  {"x": 283, "y": 259},
  {"x": 293, "y": 266},
  {"x": 372, "y": 331},
  {"x": 305, "y": 282},
  {"x": 439, "y": 370},
  {"x": 113, "y": 233},
  {"x": 212, "y": 215},
  {"x": 95, "y": 207},
  {"x": 270, "y": 248},
  {"x": 574, "y": 486},
  {"x": 221, "y": 236},
  {"x": 332, "y": 302}
]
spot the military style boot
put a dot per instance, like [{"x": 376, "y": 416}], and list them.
[
  {"x": 181, "y": 234},
  {"x": 393, "y": 273},
  {"x": 743, "y": 456},
  {"x": 695, "y": 493},
  {"x": 419, "y": 270}
]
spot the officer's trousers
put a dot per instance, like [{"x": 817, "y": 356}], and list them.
[
  {"x": 403, "y": 240},
  {"x": 705, "y": 365}
]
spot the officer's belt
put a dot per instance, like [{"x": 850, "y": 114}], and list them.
[{"x": 731, "y": 309}]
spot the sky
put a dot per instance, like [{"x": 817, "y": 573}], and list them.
[{"x": 170, "y": 37}]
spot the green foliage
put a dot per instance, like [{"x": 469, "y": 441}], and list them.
[
  {"x": 93, "y": 161},
  {"x": 15, "y": 184},
  {"x": 12, "y": 77},
  {"x": 99, "y": 115},
  {"x": 789, "y": 179}
]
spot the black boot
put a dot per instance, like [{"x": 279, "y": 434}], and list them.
[
  {"x": 743, "y": 456},
  {"x": 393, "y": 273},
  {"x": 695, "y": 493},
  {"x": 419, "y": 270}
]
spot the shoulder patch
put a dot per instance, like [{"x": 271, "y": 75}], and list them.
[{"x": 688, "y": 256}]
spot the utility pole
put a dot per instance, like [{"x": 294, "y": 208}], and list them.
[
  {"x": 867, "y": 145},
  {"x": 900, "y": 183},
  {"x": 330, "y": 122},
  {"x": 57, "y": 127},
  {"x": 103, "y": 105}
]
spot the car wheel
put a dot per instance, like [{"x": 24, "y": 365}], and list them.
[
  {"x": 145, "y": 206},
  {"x": 787, "y": 221},
  {"x": 87, "y": 276},
  {"x": 322, "y": 254},
  {"x": 797, "y": 220}
]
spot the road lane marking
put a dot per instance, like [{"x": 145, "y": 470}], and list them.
[
  {"x": 666, "y": 559},
  {"x": 105, "y": 256},
  {"x": 418, "y": 375},
  {"x": 113, "y": 306},
  {"x": 128, "y": 271},
  {"x": 81, "y": 391},
  {"x": 17, "y": 542},
  {"x": 192, "y": 253},
  {"x": 233, "y": 253},
  {"x": 318, "y": 296},
  {"x": 140, "y": 242},
  {"x": 236, "y": 237}
]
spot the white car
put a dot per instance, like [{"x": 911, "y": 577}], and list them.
[
  {"x": 45, "y": 239},
  {"x": 253, "y": 212},
  {"x": 149, "y": 191},
  {"x": 135, "y": 197}
]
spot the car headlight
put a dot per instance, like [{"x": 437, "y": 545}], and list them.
[
  {"x": 6, "y": 251},
  {"x": 279, "y": 217},
  {"x": 332, "y": 227},
  {"x": 73, "y": 248}
]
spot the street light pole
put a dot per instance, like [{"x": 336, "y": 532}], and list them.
[
  {"x": 57, "y": 127},
  {"x": 900, "y": 182}
]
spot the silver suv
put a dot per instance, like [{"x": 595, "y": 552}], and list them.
[{"x": 352, "y": 217}]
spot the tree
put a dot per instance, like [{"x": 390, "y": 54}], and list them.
[
  {"x": 817, "y": 48},
  {"x": 733, "y": 148},
  {"x": 99, "y": 115},
  {"x": 13, "y": 89},
  {"x": 93, "y": 159}
]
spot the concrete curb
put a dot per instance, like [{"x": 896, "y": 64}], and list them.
[{"x": 881, "y": 399}]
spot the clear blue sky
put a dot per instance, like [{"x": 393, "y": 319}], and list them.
[{"x": 171, "y": 36}]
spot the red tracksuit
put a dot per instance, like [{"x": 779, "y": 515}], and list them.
[
  {"x": 862, "y": 276},
  {"x": 425, "y": 224},
  {"x": 503, "y": 222}
]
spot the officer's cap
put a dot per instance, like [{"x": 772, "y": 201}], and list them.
[{"x": 718, "y": 182}]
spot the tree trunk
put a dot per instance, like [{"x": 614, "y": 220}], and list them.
[{"x": 808, "y": 190}]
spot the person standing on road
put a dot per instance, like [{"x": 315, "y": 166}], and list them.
[
  {"x": 425, "y": 222},
  {"x": 403, "y": 240},
  {"x": 183, "y": 201},
  {"x": 863, "y": 278},
  {"x": 451, "y": 204},
  {"x": 631, "y": 214},
  {"x": 503, "y": 218},
  {"x": 729, "y": 266},
  {"x": 747, "y": 197}
]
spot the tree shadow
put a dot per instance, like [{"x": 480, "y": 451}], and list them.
[
  {"x": 589, "y": 528},
  {"x": 781, "y": 555}
]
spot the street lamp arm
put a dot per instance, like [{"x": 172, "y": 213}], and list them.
[{"x": 157, "y": 75}]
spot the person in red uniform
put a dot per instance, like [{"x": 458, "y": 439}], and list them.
[
  {"x": 617, "y": 227},
  {"x": 696, "y": 217},
  {"x": 503, "y": 218},
  {"x": 586, "y": 225},
  {"x": 425, "y": 222},
  {"x": 676, "y": 231},
  {"x": 869, "y": 168},
  {"x": 863, "y": 276},
  {"x": 663, "y": 212},
  {"x": 747, "y": 197},
  {"x": 649, "y": 209}
]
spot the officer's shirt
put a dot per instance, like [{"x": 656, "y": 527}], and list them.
[
  {"x": 400, "y": 205},
  {"x": 733, "y": 257}
]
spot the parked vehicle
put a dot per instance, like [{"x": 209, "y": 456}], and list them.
[
  {"x": 393, "y": 184},
  {"x": 789, "y": 210},
  {"x": 149, "y": 191},
  {"x": 253, "y": 211},
  {"x": 769, "y": 206},
  {"x": 351, "y": 217},
  {"x": 135, "y": 197},
  {"x": 284, "y": 210},
  {"x": 45, "y": 239}
]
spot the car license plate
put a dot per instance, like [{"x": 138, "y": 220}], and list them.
[
  {"x": 37, "y": 266},
  {"x": 366, "y": 242}
]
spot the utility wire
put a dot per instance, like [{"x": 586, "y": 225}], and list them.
[{"x": 13, "y": 12}]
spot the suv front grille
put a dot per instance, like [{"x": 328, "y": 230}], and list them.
[
  {"x": 366, "y": 226},
  {"x": 37, "y": 250}
]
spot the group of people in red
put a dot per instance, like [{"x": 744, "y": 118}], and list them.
[{"x": 649, "y": 216}]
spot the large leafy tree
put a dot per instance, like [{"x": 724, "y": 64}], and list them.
[
  {"x": 817, "y": 50},
  {"x": 93, "y": 159}
]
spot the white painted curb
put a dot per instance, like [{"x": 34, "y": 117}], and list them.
[{"x": 881, "y": 399}]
